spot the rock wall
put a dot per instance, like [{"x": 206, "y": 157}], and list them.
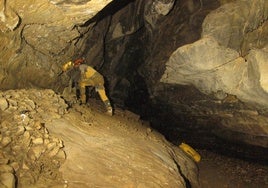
[
  {"x": 228, "y": 57},
  {"x": 37, "y": 37},
  {"x": 229, "y": 60}
]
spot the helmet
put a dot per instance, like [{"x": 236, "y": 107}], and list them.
[{"x": 79, "y": 61}]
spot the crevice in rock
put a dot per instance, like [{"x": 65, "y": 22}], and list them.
[
  {"x": 187, "y": 182},
  {"x": 109, "y": 10}
]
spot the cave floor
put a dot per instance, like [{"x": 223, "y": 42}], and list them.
[
  {"x": 216, "y": 170},
  {"x": 220, "y": 171}
]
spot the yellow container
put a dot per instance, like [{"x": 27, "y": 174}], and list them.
[{"x": 190, "y": 151}]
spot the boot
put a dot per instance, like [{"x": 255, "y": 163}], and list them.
[
  {"x": 108, "y": 107},
  {"x": 109, "y": 111},
  {"x": 83, "y": 99}
]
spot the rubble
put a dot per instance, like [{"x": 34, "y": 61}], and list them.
[{"x": 25, "y": 143}]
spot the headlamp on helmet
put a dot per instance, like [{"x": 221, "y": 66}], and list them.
[{"x": 79, "y": 61}]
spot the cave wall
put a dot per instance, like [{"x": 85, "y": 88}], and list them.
[
  {"x": 119, "y": 39},
  {"x": 39, "y": 36},
  {"x": 228, "y": 64}
]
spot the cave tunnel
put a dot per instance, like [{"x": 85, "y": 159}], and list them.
[
  {"x": 137, "y": 82},
  {"x": 194, "y": 69}
]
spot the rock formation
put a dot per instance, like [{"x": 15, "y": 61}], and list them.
[
  {"x": 37, "y": 37},
  {"x": 229, "y": 60},
  {"x": 45, "y": 144},
  {"x": 29, "y": 155}
]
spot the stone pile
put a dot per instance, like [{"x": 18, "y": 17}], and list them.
[{"x": 29, "y": 155}]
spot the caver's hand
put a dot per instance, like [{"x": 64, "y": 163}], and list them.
[{"x": 67, "y": 66}]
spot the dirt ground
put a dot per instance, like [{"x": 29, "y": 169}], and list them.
[{"x": 225, "y": 172}]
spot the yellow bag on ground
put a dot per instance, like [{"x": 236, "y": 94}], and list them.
[{"x": 190, "y": 151}]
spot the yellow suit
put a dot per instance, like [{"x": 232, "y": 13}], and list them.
[{"x": 89, "y": 77}]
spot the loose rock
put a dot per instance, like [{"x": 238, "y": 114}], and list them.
[{"x": 3, "y": 104}]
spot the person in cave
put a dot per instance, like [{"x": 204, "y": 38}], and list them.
[{"x": 85, "y": 76}]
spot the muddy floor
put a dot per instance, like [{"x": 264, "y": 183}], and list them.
[{"x": 227, "y": 172}]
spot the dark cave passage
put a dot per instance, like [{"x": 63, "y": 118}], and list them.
[
  {"x": 178, "y": 128},
  {"x": 184, "y": 129}
]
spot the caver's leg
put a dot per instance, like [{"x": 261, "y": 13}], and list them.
[
  {"x": 101, "y": 90},
  {"x": 82, "y": 89}
]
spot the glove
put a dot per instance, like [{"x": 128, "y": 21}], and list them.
[{"x": 67, "y": 66}]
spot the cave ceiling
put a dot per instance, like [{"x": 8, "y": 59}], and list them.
[{"x": 203, "y": 62}]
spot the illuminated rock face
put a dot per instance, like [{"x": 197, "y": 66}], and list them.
[
  {"x": 230, "y": 56},
  {"x": 231, "y": 59},
  {"x": 37, "y": 36},
  {"x": 206, "y": 59}
]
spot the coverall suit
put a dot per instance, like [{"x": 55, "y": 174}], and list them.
[{"x": 89, "y": 77}]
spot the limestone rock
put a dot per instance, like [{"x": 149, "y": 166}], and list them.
[
  {"x": 3, "y": 104},
  {"x": 53, "y": 148},
  {"x": 6, "y": 168},
  {"x": 9, "y": 20},
  {"x": 46, "y": 28},
  {"x": 111, "y": 160},
  {"x": 7, "y": 180},
  {"x": 3, "y": 161},
  {"x": 24, "y": 140},
  {"x": 230, "y": 59},
  {"x": 38, "y": 141},
  {"x": 20, "y": 130},
  {"x": 156, "y": 8},
  {"x": 5, "y": 141},
  {"x": 211, "y": 64}
]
